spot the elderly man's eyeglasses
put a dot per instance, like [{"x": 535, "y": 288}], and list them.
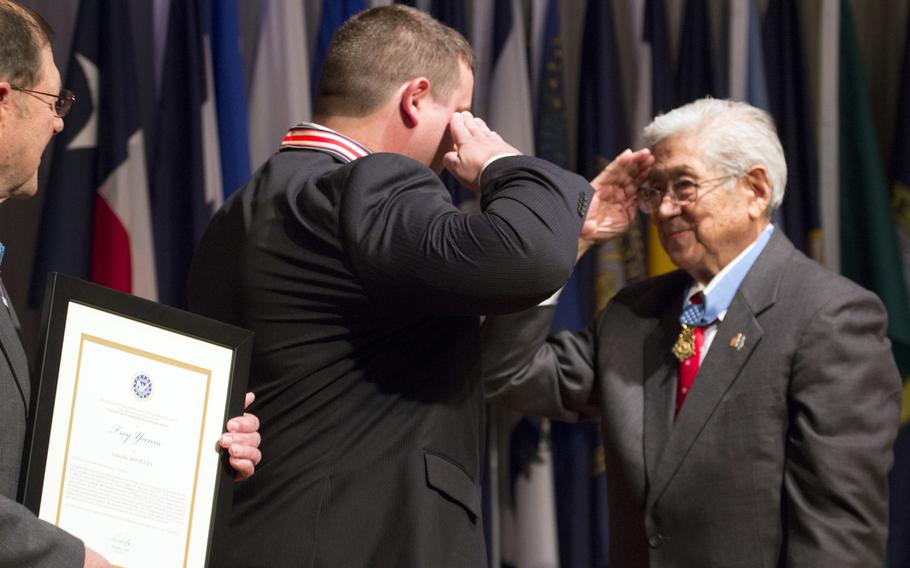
[
  {"x": 682, "y": 192},
  {"x": 62, "y": 102}
]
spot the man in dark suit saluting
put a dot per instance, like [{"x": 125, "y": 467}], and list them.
[
  {"x": 364, "y": 286},
  {"x": 748, "y": 401},
  {"x": 32, "y": 107}
]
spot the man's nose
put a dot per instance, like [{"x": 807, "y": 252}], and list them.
[
  {"x": 668, "y": 206},
  {"x": 58, "y": 125}
]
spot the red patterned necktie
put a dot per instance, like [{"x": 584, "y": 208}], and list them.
[{"x": 689, "y": 367}]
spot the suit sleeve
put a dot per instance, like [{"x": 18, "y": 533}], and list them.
[
  {"x": 531, "y": 372},
  {"x": 26, "y": 540},
  {"x": 845, "y": 406},
  {"x": 412, "y": 249}
]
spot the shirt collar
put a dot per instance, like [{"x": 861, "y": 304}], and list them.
[{"x": 722, "y": 288}]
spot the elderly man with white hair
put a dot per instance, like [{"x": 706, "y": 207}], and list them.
[{"x": 749, "y": 400}]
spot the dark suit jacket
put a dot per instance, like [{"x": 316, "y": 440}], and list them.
[
  {"x": 780, "y": 454},
  {"x": 24, "y": 539},
  {"x": 364, "y": 285}
]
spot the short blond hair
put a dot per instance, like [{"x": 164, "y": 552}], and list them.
[{"x": 378, "y": 50}]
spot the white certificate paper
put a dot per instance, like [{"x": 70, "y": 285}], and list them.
[{"x": 133, "y": 455}]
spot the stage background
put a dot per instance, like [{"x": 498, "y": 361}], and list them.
[{"x": 588, "y": 77}]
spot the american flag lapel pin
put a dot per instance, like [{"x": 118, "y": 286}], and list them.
[{"x": 738, "y": 342}]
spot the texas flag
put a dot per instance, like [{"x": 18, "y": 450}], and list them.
[{"x": 96, "y": 223}]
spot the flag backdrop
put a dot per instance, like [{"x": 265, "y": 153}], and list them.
[
  {"x": 870, "y": 249},
  {"x": 96, "y": 223},
  {"x": 280, "y": 90},
  {"x": 227, "y": 64},
  {"x": 695, "y": 72},
  {"x": 334, "y": 13},
  {"x": 96, "y": 218},
  {"x": 663, "y": 99},
  {"x": 581, "y": 491},
  {"x": 788, "y": 96},
  {"x": 186, "y": 176}
]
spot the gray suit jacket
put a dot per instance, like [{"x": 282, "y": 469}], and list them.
[
  {"x": 24, "y": 539},
  {"x": 781, "y": 453}
]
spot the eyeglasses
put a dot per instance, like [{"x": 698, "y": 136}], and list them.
[
  {"x": 682, "y": 192},
  {"x": 62, "y": 102}
]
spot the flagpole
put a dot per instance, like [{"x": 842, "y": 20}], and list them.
[{"x": 828, "y": 177}]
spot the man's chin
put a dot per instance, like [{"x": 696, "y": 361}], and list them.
[
  {"x": 678, "y": 255},
  {"x": 24, "y": 191}
]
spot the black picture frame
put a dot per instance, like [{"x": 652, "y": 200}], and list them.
[{"x": 61, "y": 292}]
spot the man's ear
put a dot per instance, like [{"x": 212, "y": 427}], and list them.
[
  {"x": 414, "y": 95},
  {"x": 759, "y": 184},
  {"x": 5, "y": 92}
]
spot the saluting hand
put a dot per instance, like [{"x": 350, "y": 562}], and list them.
[
  {"x": 475, "y": 143},
  {"x": 613, "y": 205}
]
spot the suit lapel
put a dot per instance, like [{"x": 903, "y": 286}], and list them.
[
  {"x": 659, "y": 387},
  {"x": 723, "y": 363},
  {"x": 717, "y": 374},
  {"x": 659, "y": 369},
  {"x": 11, "y": 345}
]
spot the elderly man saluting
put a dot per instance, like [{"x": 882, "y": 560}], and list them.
[{"x": 749, "y": 400}]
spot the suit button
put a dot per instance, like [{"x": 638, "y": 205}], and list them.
[{"x": 655, "y": 540}]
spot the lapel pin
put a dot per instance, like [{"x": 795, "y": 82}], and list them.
[{"x": 738, "y": 342}]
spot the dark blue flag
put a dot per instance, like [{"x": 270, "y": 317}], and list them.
[
  {"x": 663, "y": 87},
  {"x": 695, "y": 74},
  {"x": 181, "y": 204},
  {"x": 602, "y": 131},
  {"x": 451, "y": 13},
  {"x": 551, "y": 134},
  {"x": 334, "y": 13},
  {"x": 788, "y": 95},
  {"x": 581, "y": 494},
  {"x": 227, "y": 66}
]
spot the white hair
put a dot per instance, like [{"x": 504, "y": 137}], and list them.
[{"x": 732, "y": 137}]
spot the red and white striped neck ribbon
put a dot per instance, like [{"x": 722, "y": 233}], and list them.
[{"x": 310, "y": 136}]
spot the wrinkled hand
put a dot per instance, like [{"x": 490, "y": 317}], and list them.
[
  {"x": 614, "y": 203},
  {"x": 94, "y": 560},
  {"x": 242, "y": 441},
  {"x": 475, "y": 143}
]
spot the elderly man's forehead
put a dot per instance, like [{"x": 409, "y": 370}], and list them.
[
  {"x": 673, "y": 170},
  {"x": 677, "y": 155}
]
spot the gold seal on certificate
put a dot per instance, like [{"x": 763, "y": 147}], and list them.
[{"x": 133, "y": 400}]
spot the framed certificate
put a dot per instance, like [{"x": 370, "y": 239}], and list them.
[{"x": 132, "y": 401}]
